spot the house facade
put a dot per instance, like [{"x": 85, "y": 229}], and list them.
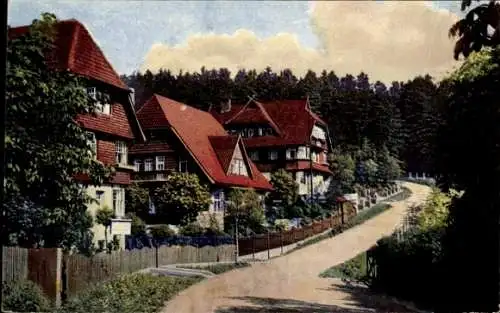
[
  {"x": 283, "y": 135},
  {"x": 113, "y": 127},
  {"x": 184, "y": 139}
]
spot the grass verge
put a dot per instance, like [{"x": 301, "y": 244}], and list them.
[
  {"x": 217, "y": 268},
  {"x": 354, "y": 269},
  {"x": 133, "y": 293}
]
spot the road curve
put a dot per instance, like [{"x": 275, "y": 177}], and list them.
[{"x": 291, "y": 283}]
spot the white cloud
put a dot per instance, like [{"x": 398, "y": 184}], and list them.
[{"x": 393, "y": 40}]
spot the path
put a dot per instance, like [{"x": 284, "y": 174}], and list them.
[{"x": 291, "y": 283}]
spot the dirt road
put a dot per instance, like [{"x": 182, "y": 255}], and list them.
[{"x": 291, "y": 283}]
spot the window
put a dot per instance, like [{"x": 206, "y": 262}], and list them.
[
  {"x": 102, "y": 100},
  {"x": 119, "y": 202},
  {"x": 219, "y": 201},
  {"x": 148, "y": 165},
  {"x": 160, "y": 163},
  {"x": 291, "y": 154},
  {"x": 250, "y": 132},
  {"x": 92, "y": 93},
  {"x": 92, "y": 143},
  {"x": 269, "y": 132},
  {"x": 238, "y": 167},
  {"x": 254, "y": 155},
  {"x": 183, "y": 166},
  {"x": 99, "y": 196},
  {"x": 137, "y": 165},
  {"x": 273, "y": 155},
  {"x": 314, "y": 156},
  {"x": 121, "y": 152},
  {"x": 259, "y": 131}
]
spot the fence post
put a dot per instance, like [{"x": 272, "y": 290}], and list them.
[
  {"x": 281, "y": 238},
  {"x": 253, "y": 246},
  {"x": 268, "y": 246},
  {"x": 59, "y": 267},
  {"x": 342, "y": 212},
  {"x": 64, "y": 278},
  {"x": 156, "y": 256}
]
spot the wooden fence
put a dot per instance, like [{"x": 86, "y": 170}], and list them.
[
  {"x": 14, "y": 264},
  {"x": 262, "y": 242},
  {"x": 80, "y": 271}
]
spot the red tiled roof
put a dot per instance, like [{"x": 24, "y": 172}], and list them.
[
  {"x": 293, "y": 118},
  {"x": 195, "y": 128},
  {"x": 150, "y": 147},
  {"x": 306, "y": 165},
  {"x": 76, "y": 51}
]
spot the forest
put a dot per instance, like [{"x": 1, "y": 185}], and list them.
[{"x": 403, "y": 116}]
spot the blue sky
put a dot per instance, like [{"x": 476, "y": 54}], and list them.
[{"x": 126, "y": 30}]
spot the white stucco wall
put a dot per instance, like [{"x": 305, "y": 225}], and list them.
[{"x": 107, "y": 200}]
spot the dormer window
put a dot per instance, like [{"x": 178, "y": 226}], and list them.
[
  {"x": 238, "y": 167},
  {"x": 102, "y": 100}
]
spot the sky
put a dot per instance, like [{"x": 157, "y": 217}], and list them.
[{"x": 388, "y": 40}]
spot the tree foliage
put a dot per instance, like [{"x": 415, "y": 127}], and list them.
[
  {"x": 472, "y": 30},
  {"x": 247, "y": 206},
  {"x": 343, "y": 167},
  {"x": 45, "y": 147},
  {"x": 180, "y": 198},
  {"x": 285, "y": 187},
  {"x": 137, "y": 200}
]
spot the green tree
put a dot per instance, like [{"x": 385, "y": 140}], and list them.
[
  {"x": 181, "y": 198},
  {"x": 388, "y": 168},
  {"x": 472, "y": 31},
  {"x": 247, "y": 206},
  {"x": 434, "y": 212},
  {"x": 137, "y": 200},
  {"x": 472, "y": 165},
  {"x": 285, "y": 190},
  {"x": 343, "y": 167},
  {"x": 45, "y": 147},
  {"x": 138, "y": 227},
  {"x": 103, "y": 217}
]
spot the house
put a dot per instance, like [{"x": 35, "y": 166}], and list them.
[
  {"x": 113, "y": 127},
  {"x": 184, "y": 139},
  {"x": 283, "y": 135}
]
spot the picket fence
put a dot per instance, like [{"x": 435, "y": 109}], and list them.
[
  {"x": 80, "y": 271},
  {"x": 272, "y": 240}
]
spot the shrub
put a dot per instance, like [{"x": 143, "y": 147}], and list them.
[
  {"x": 138, "y": 227},
  {"x": 192, "y": 229},
  {"x": 24, "y": 296},
  {"x": 405, "y": 265},
  {"x": 161, "y": 231},
  {"x": 129, "y": 294}
]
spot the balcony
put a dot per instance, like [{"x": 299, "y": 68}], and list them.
[{"x": 149, "y": 177}]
